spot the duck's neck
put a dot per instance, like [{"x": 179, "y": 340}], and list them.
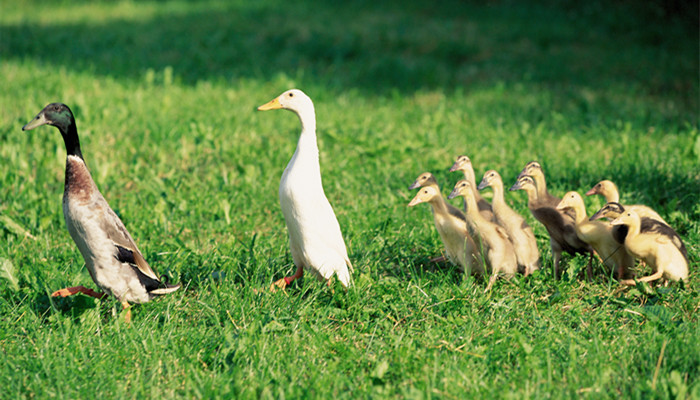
[
  {"x": 472, "y": 208},
  {"x": 633, "y": 229},
  {"x": 469, "y": 175},
  {"x": 579, "y": 213},
  {"x": 498, "y": 198},
  {"x": 307, "y": 140},
  {"x": 612, "y": 195},
  {"x": 70, "y": 138},
  {"x": 541, "y": 185},
  {"x": 439, "y": 205},
  {"x": 532, "y": 198}
]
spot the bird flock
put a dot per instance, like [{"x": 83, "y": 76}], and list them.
[
  {"x": 483, "y": 239},
  {"x": 493, "y": 239}
]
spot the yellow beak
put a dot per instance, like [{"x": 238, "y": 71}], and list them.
[{"x": 271, "y": 105}]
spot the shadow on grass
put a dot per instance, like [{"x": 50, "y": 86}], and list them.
[
  {"x": 376, "y": 46},
  {"x": 73, "y": 307}
]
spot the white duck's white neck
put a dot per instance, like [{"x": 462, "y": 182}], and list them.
[{"x": 307, "y": 140}]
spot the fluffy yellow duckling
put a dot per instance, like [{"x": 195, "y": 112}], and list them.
[
  {"x": 498, "y": 249},
  {"x": 599, "y": 235},
  {"x": 315, "y": 240},
  {"x": 464, "y": 164},
  {"x": 609, "y": 191},
  {"x": 665, "y": 254},
  {"x": 518, "y": 230},
  {"x": 451, "y": 225},
  {"x": 613, "y": 210}
]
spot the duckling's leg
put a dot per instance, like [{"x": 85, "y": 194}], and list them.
[
  {"x": 127, "y": 309},
  {"x": 78, "y": 289},
  {"x": 589, "y": 268},
  {"x": 492, "y": 279},
  {"x": 284, "y": 282},
  {"x": 557, "y": 259},
  {"x": 653, "y": 277},
  {"x": 556, "y": 254},
  {"x": 438, "y": 259}
]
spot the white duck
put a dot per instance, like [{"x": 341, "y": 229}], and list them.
[
  {"x": 315, "y": 240},
  {"x": 111, "y": 256}
]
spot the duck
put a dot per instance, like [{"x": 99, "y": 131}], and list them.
[
  {"x": 464, "y": 164},
  {"x": 609, "y": 191},
  {"x": 424, "y": 179},
  {"x": 315, "y": 239},
  {"x": 498, "y": 249},
  {"x": 559, "y": 225},
  {"x": 114, "y": 262},
  {"x": 451, "y": 225},
  {"x": 520, "y": 233},
  {"x": 428, "y": 179},
  {"x": 614, "y": 210},
  {"x": 599, "y": 235},
  {"x": 534, "y": 170},
  {"x": 666, "y": 255}
]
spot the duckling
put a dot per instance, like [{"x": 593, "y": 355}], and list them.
[
  {"x": 451, "y": 225},
  {"x": 560, "y": 226},
  {"x": 315, "y": 239},
  {"x": 464, "y": 164},
  {"x": 613, "y": 211},
  {"x": 609, "y": 190},
  {"x": 518, "y": 230},
  {"x": 427, "y": 179},
  {"x": 500, "y": 255},
  {"x": 666, "y": 255},
  {"x": 424, "y": 179},
  {"x": 599, "y": 235},
  {"x": 115, "y": 263},
  {"x": 534, "y": 169}
]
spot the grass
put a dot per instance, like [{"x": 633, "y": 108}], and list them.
[{"x": 164, "y": 95}]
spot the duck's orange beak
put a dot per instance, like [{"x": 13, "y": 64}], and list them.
[{"x": 271, "y": 105}]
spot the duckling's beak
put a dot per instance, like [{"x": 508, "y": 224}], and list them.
[
  {"x": 414, "y": 185},
  {"x": 482, "y": 184},
  {"x": 516, "y": 186},
  {"x": 454, "y": 194},
  {"x": 39, "y": 120},
  {"x": 415, "y": 201},
  {"x": 522, "y": 173},
  {"x": 592, "y": 191},
  {"x": 617, "y": 221},
  {"x": 562, "y": 206},
  {"x": 271, "y": 105},
  {"x": 597, "y": 215},
  {"x": 454, "y": 166}
]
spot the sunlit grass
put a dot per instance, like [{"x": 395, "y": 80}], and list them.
[{"x": 164, "y": 95}]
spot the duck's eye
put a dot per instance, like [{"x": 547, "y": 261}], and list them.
[{"x": 291, "y": 95}]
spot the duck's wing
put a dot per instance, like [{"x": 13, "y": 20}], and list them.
[
  {"x": 126, "y": 250},
  {"x": 502, "y": 232}
]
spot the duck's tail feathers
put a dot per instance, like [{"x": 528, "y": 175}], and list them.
[{"x": 165, "y": 290}]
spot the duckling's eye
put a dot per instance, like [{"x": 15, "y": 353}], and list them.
[{"x": 291, "y": 95}]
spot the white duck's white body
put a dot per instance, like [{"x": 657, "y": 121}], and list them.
[{"x": 315, "y": 239}]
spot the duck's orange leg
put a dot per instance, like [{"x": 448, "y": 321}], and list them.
[
  {"x": 284, "y": 282},
  {"x": 127, "y": 309},
  {"x": 78, "y": 289}
]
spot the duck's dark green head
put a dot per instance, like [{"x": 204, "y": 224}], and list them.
[
  {"x": 60, "y": 116},
  {"x": 55, "y": 114}
]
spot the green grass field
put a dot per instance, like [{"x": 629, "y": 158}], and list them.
[{"x": 164, "y": 95}]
